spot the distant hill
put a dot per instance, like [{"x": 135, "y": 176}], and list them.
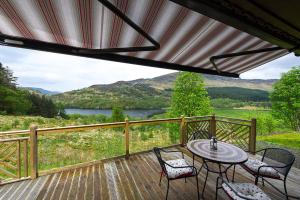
[
  {"x": 167, "y": 81},
  {"x": 41, "y": 91},
  {"x": 156, "y": 92}
]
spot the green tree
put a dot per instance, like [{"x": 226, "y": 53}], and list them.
[
  {"x": 286, "y": 98},
  {"x": 189, "y": 97},
  {"x": 117, "y": 114},
  {"x": 6, "y": 77},
  {"x": 13, "y": 101}
]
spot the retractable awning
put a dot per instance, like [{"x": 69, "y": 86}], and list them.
[{"x": 158, "y": 33}]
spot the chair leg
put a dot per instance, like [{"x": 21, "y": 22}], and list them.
[
  {"x": 285, "y": 190},
  {"x": 185, "y": 179},
  {"x": 197, "y": 187},
  {"x": 167, "y": 190},
  {"x": 256, "y": 180},
  {"x": 160, "y": 179},
  {"x": 233, "y": 173},
  {"x": 263, "y": 181},
  {"x": 217, "y": 191},
  {"x": 204, "y": 183}
]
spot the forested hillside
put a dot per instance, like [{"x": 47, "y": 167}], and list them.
[
  {"x": 14, "y": 100},
  {"x": 238, "y": 93},
  {"x": 155, "y": 93}
]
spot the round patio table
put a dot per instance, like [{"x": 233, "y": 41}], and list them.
[{"x": 225, "y": 154}]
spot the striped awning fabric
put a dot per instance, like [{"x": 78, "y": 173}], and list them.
[{"x": 186, "y": 38}]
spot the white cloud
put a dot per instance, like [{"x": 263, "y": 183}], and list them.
[
  {"x": 63, "y": 72},
  {"x": 274, "y": 69}
]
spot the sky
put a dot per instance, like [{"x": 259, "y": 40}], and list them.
[{"x": 58, "y": 72}]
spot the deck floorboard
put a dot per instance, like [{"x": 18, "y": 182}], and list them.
[{"x": 135, "y": 178}]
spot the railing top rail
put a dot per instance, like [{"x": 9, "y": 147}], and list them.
[
  {"x": 19, "y": 132},
  {"x": 14, "y": 139},
  {"x": 230, "y": 122},
  {"x": 81, "y": 127},
  {"x": 154, "y": 121},
  {"x": 198, "y": 117},
  {"x": 199, "y": 120},
  {"x": 235, "y": 119}
]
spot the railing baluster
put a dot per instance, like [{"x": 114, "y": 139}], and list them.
[
  {"x": 252, "y": 137},
  {"x": 19, "y": 159},
  {"x": 127, "y": 138},
  {"x": 182, "y": 131},
  {"x": 213, "y": 127},
  {"x": 25, "y": 155}
]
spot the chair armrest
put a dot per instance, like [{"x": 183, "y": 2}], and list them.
[
  {"x": 273, "y": 166},
  {"x": 172, "y": 151}
]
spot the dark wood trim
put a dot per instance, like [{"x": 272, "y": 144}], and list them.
[{"x": 231, "y": 14}]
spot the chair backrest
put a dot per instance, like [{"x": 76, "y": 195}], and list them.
[
  {"x": 159, "y": 158},
  {"x": 282, "y": 158}
]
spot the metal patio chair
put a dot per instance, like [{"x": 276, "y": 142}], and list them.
[
  {"x": 275, "y": 164},
  {"x": 175, "y": 169},
  {"x": 241, "y": 191}
]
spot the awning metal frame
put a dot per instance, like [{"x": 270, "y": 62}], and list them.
[{"x": 242, "y": 53}]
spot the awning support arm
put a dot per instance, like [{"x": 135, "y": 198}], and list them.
[{"x": 242, "y": 53}]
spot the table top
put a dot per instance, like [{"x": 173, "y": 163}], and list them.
[{"x": 226, "y": 153}]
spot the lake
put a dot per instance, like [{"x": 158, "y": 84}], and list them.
[{"x": 107, "y": 112}]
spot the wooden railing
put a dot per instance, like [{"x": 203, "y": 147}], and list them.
[
  {"x": 236, "y": 131},
  {"x": 240, "y": 132},
  {"x": 11, "y": 165}
]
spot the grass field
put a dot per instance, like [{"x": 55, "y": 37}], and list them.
[
  {"x": 240, "y": 113},
  {"x": 291, "y": 140}
]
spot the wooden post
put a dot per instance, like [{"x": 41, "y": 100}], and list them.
[
  {"x": 182, "y": 131},
  {"x": 33, "y": 152},
  {"x": 213, "y": 126},
  {"x": 252, "y": 137},
  {"x": 127, "y": 138}
]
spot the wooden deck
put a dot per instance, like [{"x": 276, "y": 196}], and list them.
[{"x": 135, "y": 178}]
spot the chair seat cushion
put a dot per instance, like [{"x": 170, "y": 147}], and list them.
[
  {"x": 240, "y": 191},
  {"x": 178, "y": 172},
  {"x": 252, "y": 166}
]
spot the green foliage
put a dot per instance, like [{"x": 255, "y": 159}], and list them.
[
  {"x": 189, "y": 97},
  {"x": 286, "y": 98},
  {"x": 6, "y": 77},
  {"x": 13, "y": 101},
  {"x": 42, "y": 105},
  {"x": 117, "y": 114},
  {"x": 266, "y": 123},
  {"x": 144, "y": 136}
]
